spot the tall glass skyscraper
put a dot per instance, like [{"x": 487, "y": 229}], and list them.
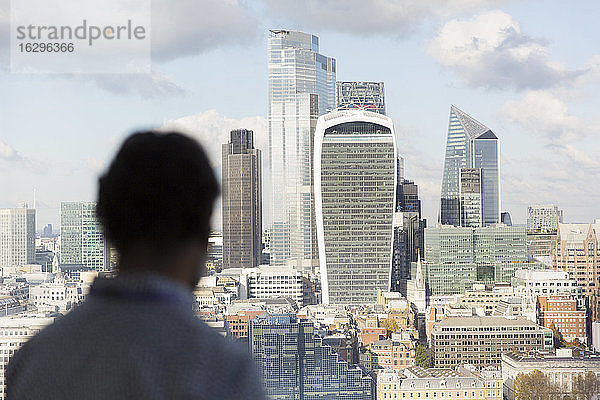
[
  {"x": 82, "y": 236},
  {"x": 301, "y": 87},
  {"x": 470, "y": 144},
  {"x": 355, "y": 197}
]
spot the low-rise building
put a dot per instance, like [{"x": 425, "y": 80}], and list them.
[
  {"x": 561, "y": 368},
  {"x": 388, "y": 353},
  {"x": 236, "y": 325},
  {"x": 481, "y": 341},
  {"x": 465, "y": 383},
  {"x": 57, "y": 296}
]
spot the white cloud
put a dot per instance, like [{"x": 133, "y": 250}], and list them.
[
  {"x": 189, "y": 27},
  {"x": 179, "y": 29},
  {"x": 153, "y": 85},
  {"x": 8, "y": 153},
  {"x": 212, "y": 129},
  {"x": 543, "y": 113},
  {"x": 369, "y": 17},
  {"x": 489, "y": 50}
]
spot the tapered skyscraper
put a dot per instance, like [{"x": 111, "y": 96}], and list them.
[
  {"x": 242, "y": 201},
  {"x": 301, "y": 87},
  {"x": 355, "y": 197},
  {"x": 470, "y": 146}
]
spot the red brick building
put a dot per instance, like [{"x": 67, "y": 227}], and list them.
[{"x": 562, "y": 311}]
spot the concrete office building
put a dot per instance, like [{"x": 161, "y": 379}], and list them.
[
  {"x": 296, "y": 365},
  {"x": 543, "y": 218},
  {"x": 17, "y": 237},
  {"x": 481, "y": 341},
  {"x": 355, "y": 194},
  {"x": 82, "y": 236},
  {"x": 470, "y": 145},
  {"x": 301, "y": 87},
  {"x": 241, "y": 199},
  {"x": 471, "y": 211},
  {"x": 14, "y": 331},
  {"x": 268, "y": 282},
  {"x": 542, "y": 225},
  {"x": 368, "y": 96}
]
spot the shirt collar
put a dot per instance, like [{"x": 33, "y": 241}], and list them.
[{"x": 143, "y": 287}]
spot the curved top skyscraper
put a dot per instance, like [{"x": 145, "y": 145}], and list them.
[
  {"x": 355, "y": 194},
  {"x": 471, "y": 178}
]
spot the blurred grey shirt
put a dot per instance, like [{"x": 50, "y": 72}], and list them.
[{"x": 135, "y": 337}]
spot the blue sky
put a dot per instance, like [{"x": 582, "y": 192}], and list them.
[{"x": 530, "y": 71}]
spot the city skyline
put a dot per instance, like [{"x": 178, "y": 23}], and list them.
[{"x": 555, "y": 111}]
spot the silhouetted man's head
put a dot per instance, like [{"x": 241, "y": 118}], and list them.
[{"x": 155, "y": 202}]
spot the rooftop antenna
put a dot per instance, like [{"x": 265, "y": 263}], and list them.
[{"x": 34, "y": 196}]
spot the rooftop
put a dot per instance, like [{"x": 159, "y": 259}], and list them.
[{"x": 476, "y": 321}]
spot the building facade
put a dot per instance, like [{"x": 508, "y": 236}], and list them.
[
  {"x": 408, "y": 231},
  {"x": 560, "y": 368},
  {"x": 471, "y": 202},
  {"x": 439, "y": 383},
  {"x": 561, "y": 311},
  {"x": 369, "y": 96},
  {"x": 241, "y": 199},
  {"x": 17, "y": 237},
  {"x": 268, "y": 282},
  {"x": 455, "y": 257},
  {"x": 543, "y": 218},
  {"x": 82, "y": 236},
  {"x": 301, "y": 87},
  {"x": 470, "y": 144},
  {"x": 388, "y": 354},
  {"x": 355, "y": 195},
  {"x": 576, "y": 252},
  {"x": 481, "y": 341},
  {"x": 14, "y": 331},
  {"x": 295, "y": 365},
  {"x": 530, "y": 284}
]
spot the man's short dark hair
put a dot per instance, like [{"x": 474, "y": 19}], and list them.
[{"x": 159, "y": 190}]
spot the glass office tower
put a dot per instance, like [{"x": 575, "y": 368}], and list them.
[
  {"x": 301, "y": 87},
  {"x": 458, "y": 256},
  {"x": 470, "y": 144},
  {"x": 82, "y": 236},
  {"x": 355, "y": 197}
]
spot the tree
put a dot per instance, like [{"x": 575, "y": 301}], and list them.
[
  {"x": 391, "y": 325},
  {"x": 586, "y": 386},
  {"x": 422, "y": 358},
  {"x": 558, "y": 340},
  {"x": 534, "y": 386}
]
